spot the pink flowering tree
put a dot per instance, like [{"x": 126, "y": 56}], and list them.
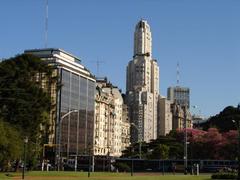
[{"x": 210, "y": 144}]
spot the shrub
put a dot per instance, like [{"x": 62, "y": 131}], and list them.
[
  {"x": 123, "y": 167},
  {"x": 224, "y": 176}
]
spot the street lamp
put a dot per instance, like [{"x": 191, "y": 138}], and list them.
[
  {"x": 60, "y": 134},
  {"x": 24, "y": 162},
  {"x": 238, "y": 129},
  {"x": 185, "y": 140},
  {"x": 140, "y": 142},
  {"x": 238, "y": 145},
  {"x": 89, "y": 159}
]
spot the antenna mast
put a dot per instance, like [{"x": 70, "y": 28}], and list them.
[
  {"x": 178, "y": 73},
  {"x": 98, "y": 64},
  {"x": 46, "y": 25}
]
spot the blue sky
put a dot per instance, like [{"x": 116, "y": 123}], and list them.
[{"x": 202, "y": 35}]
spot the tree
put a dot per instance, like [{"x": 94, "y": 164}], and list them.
[
  {"x": 162, "y": 147},
  {"x": 24, "y": 103},
  {"x": 160, "y": 152},
  {"x": 10, "y": 145},
  {"x": 223, "y": 121}
]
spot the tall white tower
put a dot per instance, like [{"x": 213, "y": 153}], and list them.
[
  {"x": 143, "y": 86},
  {"x": 142, "y": 39}
]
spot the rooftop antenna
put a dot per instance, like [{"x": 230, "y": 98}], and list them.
[
  {"x": 98, "y": 65},
  {"x": 46, "y": 25},
  {"x": 178, "y": 73}
]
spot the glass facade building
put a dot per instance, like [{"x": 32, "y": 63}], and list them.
[
  {"x": 180, "y": 95},
  {"x": 77, "y": 93},
  {"x": 74, "y": 109}
]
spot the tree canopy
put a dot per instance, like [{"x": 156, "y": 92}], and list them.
[
  {"x": 10, "y": 144},
  {"x": 24, "y": 104},
  {"x": 210, "y": 144},
  {"x": 224, "y": 120}
]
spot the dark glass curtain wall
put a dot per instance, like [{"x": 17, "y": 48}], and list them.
[{"x": 77, "y": 93}]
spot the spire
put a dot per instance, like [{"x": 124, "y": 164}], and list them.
[{"x": 142, "y": 39}]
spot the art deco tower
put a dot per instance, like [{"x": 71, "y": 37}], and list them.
[{"x": 143, "y": 86}]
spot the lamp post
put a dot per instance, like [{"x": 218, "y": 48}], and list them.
[
  {"x": 89, "y": 159},
  {"x": 185, "y": 140},
  {"x": 140, "y": 142},
  {"x": 238, "y": 129},
  {"x": 24, "y": 163},
  {"x": 238, "y": 108},
  {"x": 60, "y": 134}
]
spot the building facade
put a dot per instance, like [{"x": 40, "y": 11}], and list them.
[
  {"x": 111, "y": 124},
  {"x": 180, "y": 95},
  {"x": 180, "y": 114},
  {"x": 72, "y": 116},
  {"x": 125, "y": 127},
  {"x": 142, "y": 86},
  {"x": 164, "y": 116}
]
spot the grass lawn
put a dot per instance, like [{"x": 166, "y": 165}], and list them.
[
  {"x": 53, "y": 175},
  {"x": 3, "y": 176}
]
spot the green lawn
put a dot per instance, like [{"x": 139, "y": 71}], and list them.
[
  {"x": 3, "y": 176},
  {"x": 53, "y": 175}
]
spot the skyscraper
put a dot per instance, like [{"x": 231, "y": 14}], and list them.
[
  {"x": 142, "y": 86},
  {"x": 164, "y": 116},
  {"x": 179, "y": 95}
]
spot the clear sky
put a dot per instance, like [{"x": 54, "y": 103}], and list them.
[{"x": 202, "y": 35}]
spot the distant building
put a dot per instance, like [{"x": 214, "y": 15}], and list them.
[
  {"x": 111, "y": 122},
  {"x": 164, "y": 116},
  {"x": 142, "y": 86},
  {"x": 179, "y": 114},
  {"x": 180, "y": 95},
  {"x": 125, "y": 127},
  {"x": 72, "y": 113},
  {"x": 198, "y": 120}
]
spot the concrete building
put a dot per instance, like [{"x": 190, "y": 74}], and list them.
[
  {"x": 164, "y": 116},
  {"x": 72, "y": 114},
  {"x": 125, "y": 127},
  {"x": 180, "y": 95},
  {"x": 142, "y": 86},
  {"x": 111, "y": 127},
  {"x": 197, "y": 120},
  {"x": 178, "y": 116}
]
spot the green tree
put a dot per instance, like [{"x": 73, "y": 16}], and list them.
[
  {"x": 10, "y": 145},
  {"x": 160, "y": 152},
  {"x": 223, "y": 121},
  {"x": 162, "y": 147},
  {"x": 24, "y": 103}
]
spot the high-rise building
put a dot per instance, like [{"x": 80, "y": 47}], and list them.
[
  {"x": 142, "y": 86},
  {"x": 72, "y": 113},
  {"x": 164, "y": 116},
  {"x": 179, "y": 95}
]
